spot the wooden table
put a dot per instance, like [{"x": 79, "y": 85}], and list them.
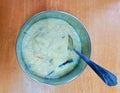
[{"x": 101, "y": 18}]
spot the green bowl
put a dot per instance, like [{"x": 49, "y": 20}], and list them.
[{"x": 82, "y": 33}]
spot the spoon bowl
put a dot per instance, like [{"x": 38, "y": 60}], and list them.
[{"x": 108, "y": 78}]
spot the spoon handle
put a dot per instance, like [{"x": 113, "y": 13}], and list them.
[{"x": 109, "y": 78}]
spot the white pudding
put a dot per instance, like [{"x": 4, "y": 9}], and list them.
[{"x": 45, "y": 48}]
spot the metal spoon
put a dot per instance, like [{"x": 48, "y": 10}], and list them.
[{"x": 109, "y": 78}]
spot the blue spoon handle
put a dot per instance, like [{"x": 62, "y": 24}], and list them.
[{"x": 109, "y": 78}]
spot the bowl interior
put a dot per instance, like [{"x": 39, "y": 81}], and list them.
[{"x": 79, "y": 28}]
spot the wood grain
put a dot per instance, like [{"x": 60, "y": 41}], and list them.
[{"x": 101, "y": 18}]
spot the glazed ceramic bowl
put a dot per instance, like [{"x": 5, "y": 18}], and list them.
[{"x": 83, "y": 36}]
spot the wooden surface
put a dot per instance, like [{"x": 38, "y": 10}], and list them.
[{"x": 101, "y": 18}]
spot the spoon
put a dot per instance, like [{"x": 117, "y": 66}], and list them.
[{"x": 108, "y": 78}]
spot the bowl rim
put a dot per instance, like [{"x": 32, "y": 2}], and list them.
[{"x": 38, "y": 14}]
